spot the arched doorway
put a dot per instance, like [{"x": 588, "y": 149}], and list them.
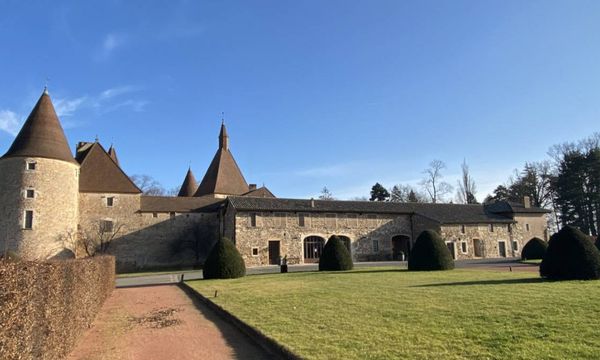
[
  {"x": 400, "y": 247},
  {"x": 346, "y": 241},
  {"x": 313, "y": 247}
]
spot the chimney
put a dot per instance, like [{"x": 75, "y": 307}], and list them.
[
  {"x": 526, "y": 202},
  {"x": 251, "y": 187},
  {"x": 312, "y": 202}
]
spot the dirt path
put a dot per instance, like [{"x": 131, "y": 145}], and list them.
[{"x": 161, "y": 322}]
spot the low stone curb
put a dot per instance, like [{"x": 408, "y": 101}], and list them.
[{"x": 261, "y": 339}]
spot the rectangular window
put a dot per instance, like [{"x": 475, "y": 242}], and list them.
[
  {"x": 491, "y": 227},
  {"x": 330, "y": 220},
  {"x": 463, "y": 247},
  {"x": 253, "y": 217},
  {"x": 110, "y": 201},
  {"x": 371, "y": 220},
  {"x": 527, "y": 227},
  {"x": 375, "y": 245},
  {"x": 352, "y": 220},
  {"x": 31, "y": 165},
  {"x": 30, "y": 193},
  {"x": 28, "y": 221},
  {"x": 172, "y": 214},
  {"x": 106, "y": 226},
  {"x": 302, "y": 220},
  {"x": 515, "y": 245},
  {"x": 509, "y": 228},
  {"x": 462, "y": 229},
  {"x": 154, "y": 215},
  {"x": 254, "y": 251},
  {"x": 279, "y": 219}
]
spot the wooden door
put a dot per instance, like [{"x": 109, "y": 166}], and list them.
[
  {"x": 274, "y": 253},
  {"x": 451, "y": 248},
  {"x": 502, "y": 248}
]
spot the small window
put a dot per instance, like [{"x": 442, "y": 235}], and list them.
[
  {"x": 462, "y": 229},
  {"x": 106, "y": 226},
  {"x": 253, "y": 219},
  {"x": 463, "y": 247},
  {"x": 110, "y": 201},
  {"x": 28, "y": 221},
  {"x": 254, "y": 251},
  {"x": 491, "y": 227},
  {"x": 375, "y": 245},
  {"x": 509, "y": 228},
  {"x": 515, "y": 245},
  {"x": 154, "y": 215},
  {"x": 31, "y": 165},
  {"x": 172, "y": 214},
  {"x": 30, "y": 193},
  {"x": 527, "y": 227},
  {"x": 301, "y": 220}
]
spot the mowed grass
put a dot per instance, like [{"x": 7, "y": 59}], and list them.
[{"x": 385, "y": 313}]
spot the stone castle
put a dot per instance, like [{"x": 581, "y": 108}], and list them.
[{"x": 54, "y": 204}]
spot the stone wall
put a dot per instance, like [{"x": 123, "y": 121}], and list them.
[
  {"x": 285, "y": 227},
  {"x": 46, "y": 306},
  {"x": 147, "y": 240},
  {"x": 538, "y": 226},
  {"x": 54, "y": 205},
  {"x": 489, "y": 240}
]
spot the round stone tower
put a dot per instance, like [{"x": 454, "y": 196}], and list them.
[{"x": 39, "y": 189}]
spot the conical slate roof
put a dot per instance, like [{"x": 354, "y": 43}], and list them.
[
  {"x": 223, "y": 175},
  {"x": 189, "y": 186},
  {"x": 113, "y": 154},
  {"x": 41, "y": 135}
]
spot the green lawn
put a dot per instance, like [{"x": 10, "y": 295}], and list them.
[
  {"x": 534, "y": 261},
  {"x": 150, "y": 272},
  {"x": 386, "y": 313}
]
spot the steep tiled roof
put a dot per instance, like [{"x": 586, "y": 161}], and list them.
[
  {"x": 189, "y": 186},
  {"x": 100, "y": 174},
  {"x": 41, "y": 135},
  {"x": 260, "y": 192},
  {"x": 113, "y": 155},
  {"x": 223, "y": 175},
  {"x": 510, "y": 207},
  {"x": 443, "y": 213},
  {"x": 179, "y": 204}
]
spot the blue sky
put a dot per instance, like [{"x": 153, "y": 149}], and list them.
[{"x": 315, "y": 93}]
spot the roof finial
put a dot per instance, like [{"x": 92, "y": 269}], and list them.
[
  {"x": 97, "y": 140},
  {"x": 222, "y": 117},
  {"x": 46, "y": 85}
]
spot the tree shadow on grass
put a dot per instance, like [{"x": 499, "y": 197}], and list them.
[{"x": 488, "y": 282}]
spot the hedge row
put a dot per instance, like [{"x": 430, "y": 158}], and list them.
[{"x": 45, "y": 306}]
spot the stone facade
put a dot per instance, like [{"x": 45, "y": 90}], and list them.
[
  {"x": 371, "y": 236},
  {"x": 53, "y": 199}
]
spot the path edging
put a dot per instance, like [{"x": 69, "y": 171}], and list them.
[{"x": 256, "y": 335}]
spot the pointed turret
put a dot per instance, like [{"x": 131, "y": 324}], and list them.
[
  {"x": 41, "y": 135},
  {"x": 113, "y": 154},
  {"x": 223, "y": 176},
  {"x": 189, "y": 186}
]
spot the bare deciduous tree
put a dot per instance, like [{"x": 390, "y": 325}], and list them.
[
  {"x": 98, "y": 240},
  {"x": 466, "y": 186},
  {"x": 148, "y": 185},
  {"x": 433, "y": 184},
  {"x": 326, "y": 194}
]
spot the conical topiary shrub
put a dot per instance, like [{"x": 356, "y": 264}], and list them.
[
  {"x": 224, "y": 262},
  {"x": 430, "y": 253},
  {"x": 335, "y": 256},
  {"x": 534, "y": 249},
  {"x": 570, "y": 256}
]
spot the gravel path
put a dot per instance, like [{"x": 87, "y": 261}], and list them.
[{"x": 161, "y": 322}]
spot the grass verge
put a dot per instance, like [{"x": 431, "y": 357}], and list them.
[{"x": 386, "y": 313}]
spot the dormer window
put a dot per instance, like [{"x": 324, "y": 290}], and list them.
[{"x": 31, "y": 165}]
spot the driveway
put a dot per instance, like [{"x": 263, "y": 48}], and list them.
[{"x": 161, "y": 322}]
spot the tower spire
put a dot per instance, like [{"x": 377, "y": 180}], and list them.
[{"x": 223, "y": 137}]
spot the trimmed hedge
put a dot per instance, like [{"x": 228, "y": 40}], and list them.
[
  {"x": 571, "y": 255},
  {"x": 534, "y": 249},
  {"x": 430, "y": 253},
  {"x": 46, "y": 306},
  {"x": 224, "y": 262},
  {"x": 335, "y": 256}
]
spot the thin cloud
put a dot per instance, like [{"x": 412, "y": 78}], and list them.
[
  {"x": 110, "y": 43},
  {"x": 117, "y": 91},
  {"x": 66, "y": 107},
  {"x": 10, "y": 122}
]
